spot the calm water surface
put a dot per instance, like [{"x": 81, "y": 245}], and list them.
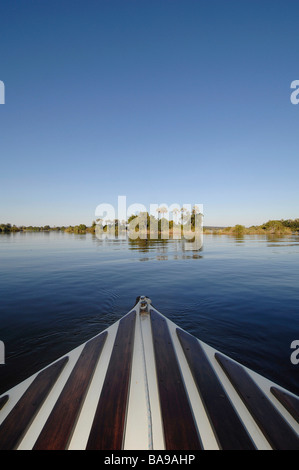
[{"x": 239, "y": 295}]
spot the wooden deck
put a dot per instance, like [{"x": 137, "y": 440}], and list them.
[
  {"x": 229, "y": 429},
  {"x": 268, "y": 418},
  {"x": 179, "y": 427},
  {"x": 144, "y": 383}
]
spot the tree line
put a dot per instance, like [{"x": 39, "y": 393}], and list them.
[
  {"x": 278, "y": 227},
  {"x": 8, "y": 228},
  {"x": 272, "y": 226}
]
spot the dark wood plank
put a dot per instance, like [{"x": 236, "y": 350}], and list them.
[
  {"x": 290, "y": 402},
  {"x": 107, "y": 430},
  {"x": 228, "y": 428},
  {"x": 16, "y": 423},
  {"x": 58, "y": 429},
  {"x": 3, "y": 401},
  {"x": 279, "y": 434},
  {"x": 180, "y": 432}
]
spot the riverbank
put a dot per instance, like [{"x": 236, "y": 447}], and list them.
[{"x": 278, "y": 227}]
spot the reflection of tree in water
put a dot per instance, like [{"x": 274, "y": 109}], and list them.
[
  {"x": 145, "y": 245},
  {"x": 167, "y": 249}
]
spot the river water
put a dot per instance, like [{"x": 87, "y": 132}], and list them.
[{"x": 240, "y": 295}]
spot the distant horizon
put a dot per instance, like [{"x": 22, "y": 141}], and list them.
[{"x": 89, "y": 224}]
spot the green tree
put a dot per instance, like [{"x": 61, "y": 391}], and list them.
[{"x": 239, "y": 230}]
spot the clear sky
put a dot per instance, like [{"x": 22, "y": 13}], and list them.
[{"x": 163, "y": 101}]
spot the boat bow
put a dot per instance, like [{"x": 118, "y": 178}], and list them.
[{"x": 144, "y": 383}]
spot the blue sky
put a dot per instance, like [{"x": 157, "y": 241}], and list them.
[{"x": 162, "y": 101}]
